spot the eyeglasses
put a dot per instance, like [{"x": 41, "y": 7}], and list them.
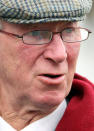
[{"x": 40, "y": 37}]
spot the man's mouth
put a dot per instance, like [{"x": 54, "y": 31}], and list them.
[{"x": 51, "y": 78}]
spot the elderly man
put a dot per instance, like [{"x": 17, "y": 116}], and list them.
[{"x": 39, "y": 46}]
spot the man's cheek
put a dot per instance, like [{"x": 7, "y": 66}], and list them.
[
  {"x": 27, "y": 54},
  {"x": 73, "y": 51}
]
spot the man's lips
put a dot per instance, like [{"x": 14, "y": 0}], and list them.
[{"x": 51, "y": 79}]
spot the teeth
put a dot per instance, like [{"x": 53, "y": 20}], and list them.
[{"x": 52, "y": 76}]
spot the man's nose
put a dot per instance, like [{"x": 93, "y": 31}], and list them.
[{"x": 56, "y": 50}]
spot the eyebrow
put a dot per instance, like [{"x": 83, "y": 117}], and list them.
[{"x": 71, "y": 23}]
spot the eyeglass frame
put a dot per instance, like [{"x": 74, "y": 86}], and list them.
[{"x": 21, "y": 36}]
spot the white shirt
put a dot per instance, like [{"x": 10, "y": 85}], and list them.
[{"x": 48, "y": 123}]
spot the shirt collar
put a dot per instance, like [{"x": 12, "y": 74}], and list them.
[{"x": 48, "y": 123}]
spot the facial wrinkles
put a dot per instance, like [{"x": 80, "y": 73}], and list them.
[
  {"x": 28, "y": 54},
  {"x": 28, "y": 51}
]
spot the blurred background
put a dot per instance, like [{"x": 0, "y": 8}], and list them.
[{"x": 85, "y": 65}]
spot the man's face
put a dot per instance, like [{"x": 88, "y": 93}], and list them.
[{"x": 36, "y": 77}]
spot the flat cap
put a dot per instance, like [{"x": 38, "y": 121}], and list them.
[{"x": 39, "y": 11}]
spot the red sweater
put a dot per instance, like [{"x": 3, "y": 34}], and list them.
[{"x": 79, "y": 115}]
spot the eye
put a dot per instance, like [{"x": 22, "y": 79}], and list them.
[
  {"x": 40, "y": 34},
  {"x": 69, "y": 30},
  {"x": 34, "y": 33}
]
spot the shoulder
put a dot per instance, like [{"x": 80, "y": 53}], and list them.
[
  {"x": 79, "y": 114},
  {"x": 82, "y": 80}
]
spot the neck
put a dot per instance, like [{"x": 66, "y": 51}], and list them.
[
  {"x": 21, "y": 121},
  {"x": 21, "y": 118}
]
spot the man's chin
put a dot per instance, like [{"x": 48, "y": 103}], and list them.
[{"x": 49, "y": 102}]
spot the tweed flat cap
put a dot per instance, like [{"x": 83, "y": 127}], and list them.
[{"x": 37, "y": 11}]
